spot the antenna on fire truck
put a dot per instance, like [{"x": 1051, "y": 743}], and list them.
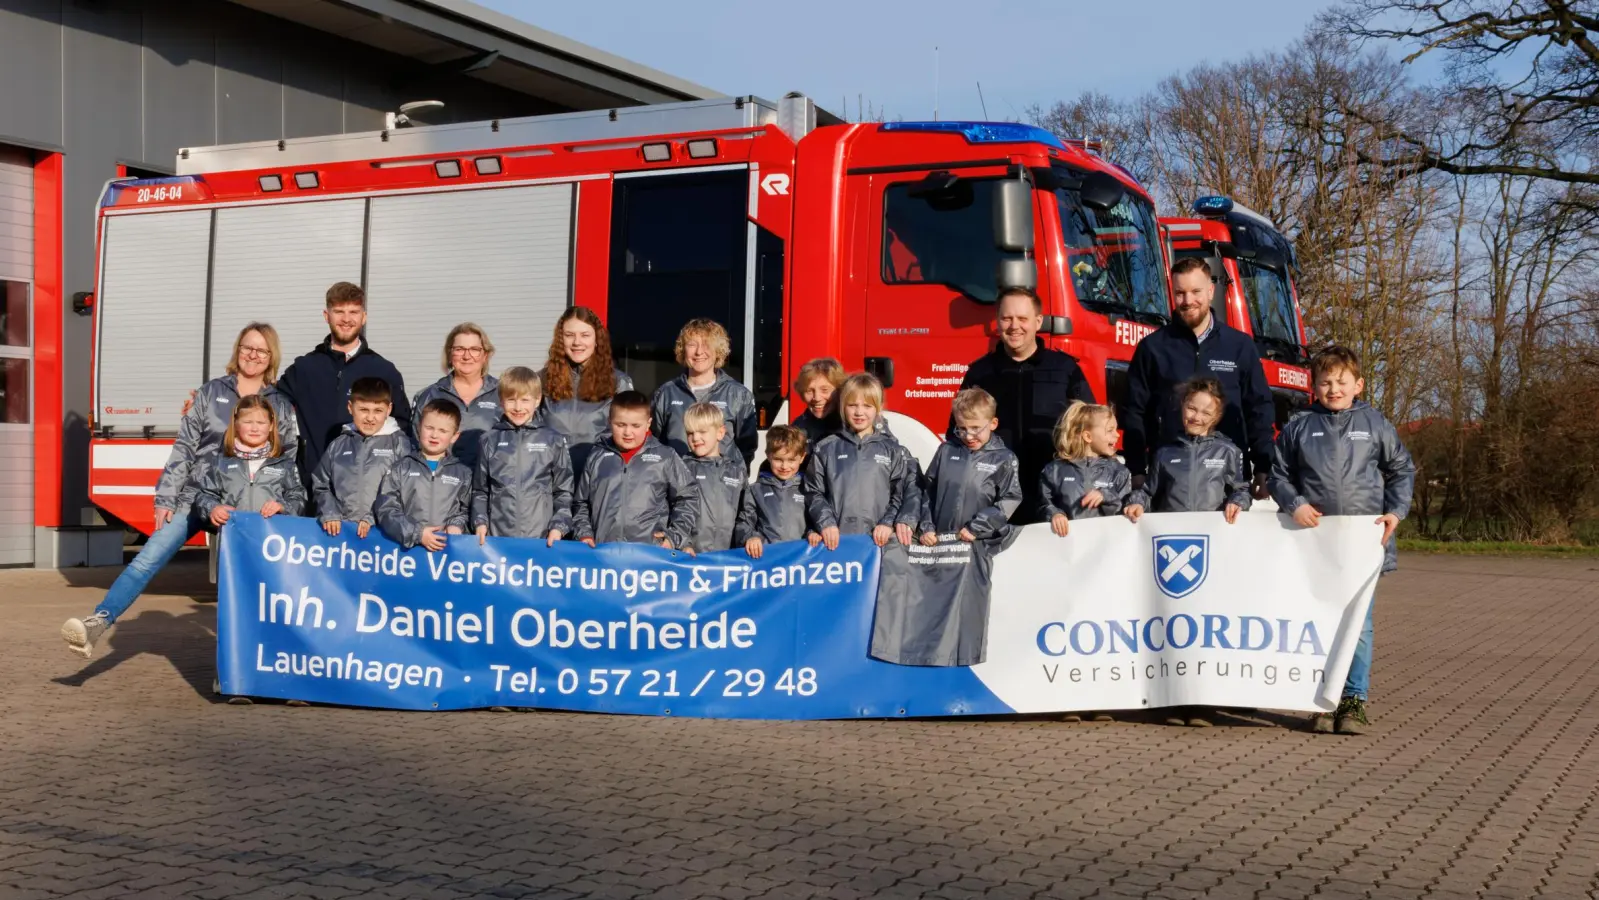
[
  {"x": 402, "y": 119},
  {"x": 935, "y": 83}
]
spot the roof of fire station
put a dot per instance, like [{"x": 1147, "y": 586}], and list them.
[{"x": 463, "y": 37}]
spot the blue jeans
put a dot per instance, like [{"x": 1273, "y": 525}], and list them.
[
  {"x": 1359, "y": 681},
  {"x": 152, "y": 558}
]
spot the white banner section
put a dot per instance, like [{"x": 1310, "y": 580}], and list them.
[{"x": 1180, "y": 609}]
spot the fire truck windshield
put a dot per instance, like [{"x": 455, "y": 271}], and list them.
[
  {"x": 1113, "y": 256},
  {"x": 1271, "y": 302}
]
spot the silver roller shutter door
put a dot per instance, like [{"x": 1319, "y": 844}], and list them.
[
  {"x": 498, "y": 257},
  {"x": 152, "y": 318},
  {"x": 274, "y": 264},
  {"x": 16, "y": 439}
]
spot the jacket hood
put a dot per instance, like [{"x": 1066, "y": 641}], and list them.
[
  {"x": 447, "y": 383},
  {"x": 504, "y": 424},
  {"x": 1316, "y": 407},
  {"x": 389, "y": 427},
  {"x": 766, "y": 474},
  {"x": 649, "y": 441},
  {"x": 682, "y": 380}
]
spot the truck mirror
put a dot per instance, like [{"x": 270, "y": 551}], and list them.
[
  {"x": 1016, "y": 273},
  {"x": 1244, "y": 242},
  {"x": 1270, "y": 257},
  {"x": 1101, "y": 191},
  {"x": 1013, "y": 216}
]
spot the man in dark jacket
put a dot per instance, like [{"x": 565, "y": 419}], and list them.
[
  {"x": 1032, "y": 385},
  {"x": 318, "y": 383},
  {"x": 1195, "y": 343}
]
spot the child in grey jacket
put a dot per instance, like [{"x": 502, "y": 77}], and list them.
[
  {"x": 346, "y": 481},
  {"x": 719, "y": 480},
  {"x": 251, "y": 473},
  {"x": 1342, "y": 458},
  {"x": 972, "y": 486},
  {"x": 523, "y": 483},
  {"x": 634, "y": 488},
  {"x": 1204, "y": 470},
  {"x": 425, "y": 495},
  {"x": 773, "y": 508},
  {"x": 1085, "y": 479},
  {"x": 858, "y": 481}
]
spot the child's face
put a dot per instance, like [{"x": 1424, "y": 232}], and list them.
[
  {"x": 436, "y": 434},
  {"x": 706, "y": 440},
  {"x": 1201, "y": 412},
  {"x": 785, "y": 465},
  {"x": 1338, "y": 389},
  {"x": 519, "y": 408},
  {"x": 578, "y": 340},
  {"x": 253, "y": 428},
  {"x": 817, "y": 395},
  {"x": 698, "y": 356},
  {"x": 860, "y": 413},
  {"x": 369, "y": 416},
  {"x": 629, "y": 427},
  {"x": 974, "y": 431},
  {"x": 1102, "y": 436}
]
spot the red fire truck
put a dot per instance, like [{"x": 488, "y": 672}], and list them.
[
  {"x": 878, "y": 244},
  {"x": 1252, "y": 263}
]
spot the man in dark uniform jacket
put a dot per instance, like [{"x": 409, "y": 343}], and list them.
[
  {"x": 1032, "y": 384},
  {"x": 1195, "y": 343}
]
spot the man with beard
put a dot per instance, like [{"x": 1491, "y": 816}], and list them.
[
  {"x": 1197, "y": 344},
  {"x": 1032, "y": 386},
  {"x": 319, "y": 382}
]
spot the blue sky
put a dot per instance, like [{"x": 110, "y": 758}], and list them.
[{"x": 1023, "y": 51}]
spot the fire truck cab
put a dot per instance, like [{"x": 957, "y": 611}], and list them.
[
  {"x": 880, "y": 244},
  {"x": 1252, "y": 264}
]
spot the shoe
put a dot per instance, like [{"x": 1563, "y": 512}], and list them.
[
  {"x": 295, "y": 703},
  {"x": 1320, "y": 723},
  {"x": 1104, "y": 717},
  {"x": 1177, "y": 717},
  {"x": 1198, "y": 719},
  {"x": 1071, "y": 717},
  {"x": 1351, "y": 716},
  {"x": 499, "y": 709},
  {"x": 240, "y": 701},
  {"x": 82, "y": 634}
]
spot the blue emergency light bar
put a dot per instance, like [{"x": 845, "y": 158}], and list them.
[
  {"x": 1213, "y": 206},
  {"x": 983, "y": 132}
]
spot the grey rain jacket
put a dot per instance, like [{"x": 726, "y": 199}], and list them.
[
  {"x": 414, "y": 496},
  {"x": 1195, "y": 474},
  {"x": 1346, "y": 463},
  {"x": 973, "y": 489},
  {"x": 522, "y": 486},
  {"x": 859, "y": 483},
  {"x": 1064, "y": 482},
  {"x": 634, "y": 501},
  {"x": 200, "y": 436},
  {"x": 226, "y": 481},
  {"x": 477, "y": 417},
  {"x": 345, "y": 483},
  {"x": 583, "y": 423},
  {"x": 673, "y": 399},
  {"x": 773, "y": 510},
  {"x": 720, "y": 482}
]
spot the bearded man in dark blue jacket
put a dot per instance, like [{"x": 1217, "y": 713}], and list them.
[
  {"x": 1195, "y": 343},
  {"x": 319, "y": 382}
]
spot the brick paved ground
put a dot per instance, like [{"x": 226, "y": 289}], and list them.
[{"x": 123, "y": 779}]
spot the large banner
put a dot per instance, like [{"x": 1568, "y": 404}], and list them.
[{"x": 1178, "y": 609}]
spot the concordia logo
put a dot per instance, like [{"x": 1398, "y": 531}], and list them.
[{"x": 1181, "y": 563}]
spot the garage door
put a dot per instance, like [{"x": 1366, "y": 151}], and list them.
[{"x": 16, "y": 356}]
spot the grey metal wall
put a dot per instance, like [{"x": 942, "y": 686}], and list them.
[{"x": 131, "y": 81}]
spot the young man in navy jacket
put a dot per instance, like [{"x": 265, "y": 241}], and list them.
[
  {"x": 1197, "y": 344},
  {"x": 319, "y": 382}
]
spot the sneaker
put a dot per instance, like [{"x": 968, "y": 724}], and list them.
[
  {"x": 1351, "y": 716},
  {"x": 82, "y": 634},
  {"x": 1320, "y": 723},
  {"x": 1072, "y": 717},
  {"x": 1104, "y": 717},
  {"x": 1177, "y": 717},
  {"x": 1198, "y": 719},
  {"x": 240, "y": 701},
  {"x": 499, "y": 709},
  {"x": 296, "y": 703}
]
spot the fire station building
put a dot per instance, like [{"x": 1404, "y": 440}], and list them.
[{"x": 101, "y": 89}]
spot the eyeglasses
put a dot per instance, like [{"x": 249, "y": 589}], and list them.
[
  {"x": 255, "y": 352},
  {"x": 970, "y": 431},
  {"x": 468, "y": 352}
]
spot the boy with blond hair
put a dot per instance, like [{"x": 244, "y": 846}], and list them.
[
  {"x": 1343, "y": 458},
  {"x": 719, "y": 480},
  {"x": 523, "y": 483}
]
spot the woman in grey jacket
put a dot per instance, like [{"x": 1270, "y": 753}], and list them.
[
  {"x": 251, "y": 370},
  {"x": 467, "y": 384},
  {"x": 579, "y": 382}
]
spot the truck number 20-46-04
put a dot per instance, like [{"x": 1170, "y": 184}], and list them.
[{"x": 161, "y": 194}]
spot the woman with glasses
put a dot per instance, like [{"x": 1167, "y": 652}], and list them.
[
  {"x": 467, "y": 384},
  {"x": 251, "y": 370}
]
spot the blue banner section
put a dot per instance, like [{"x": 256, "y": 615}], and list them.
[{"x": 616, "y": 629}]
